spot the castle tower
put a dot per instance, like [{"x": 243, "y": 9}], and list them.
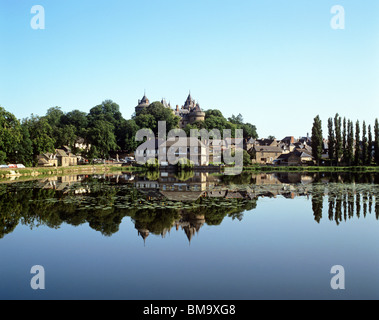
[{"x": 142, "y": 104}]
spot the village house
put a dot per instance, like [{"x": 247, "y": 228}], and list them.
[
  {"x": 265, "y": 154},
  {"x": 61, "y": 158},
  {"x": 296, "y": 158},
  {"x": 66, "y": 158},
  {"x": 179, "y": 147},
  {"x": 47, "y": 160}
]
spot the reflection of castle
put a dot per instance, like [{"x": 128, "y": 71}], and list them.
[
  {"x": 189, "y": 113},
  {"x": 189, "y": 223}
]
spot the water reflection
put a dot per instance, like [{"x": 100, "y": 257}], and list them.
[{"x": 160, "y": 202}]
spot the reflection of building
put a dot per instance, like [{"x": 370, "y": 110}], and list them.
[
  {"x": 63, "y": 184},
  {"x": 266, "y": 178},
  {"x": 170, "y": 187},
  {"x": 189, "y": 223}
]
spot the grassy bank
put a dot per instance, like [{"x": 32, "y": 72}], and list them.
[
  {"x": 100, "y": 169},
  {"x": 89, "y": 169},
  {"x": 311, "y": 169}
]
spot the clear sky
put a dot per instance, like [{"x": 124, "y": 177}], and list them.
[{"x": 278, "y": 63}]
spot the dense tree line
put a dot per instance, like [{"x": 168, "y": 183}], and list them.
[
  {"x": 103, "y": 128},
  {"x": 347, "y": 143}
]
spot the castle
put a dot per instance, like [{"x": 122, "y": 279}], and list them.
[{"x": 189, "y": 113}]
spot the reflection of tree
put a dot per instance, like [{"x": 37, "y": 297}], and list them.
[
  {"x": 344, "y": 205},
  {"x": 104, "y": 208},
  {"x": 107, "y": 203},
  {"x": 338, "y": 213},
  {"x": 358, "y": 205},
  {"x": 185, "y": 175},
  {"x": 317, "y": 205},
  {"x": 331, "y": 207},
  {"x": 156, "y": 221}
]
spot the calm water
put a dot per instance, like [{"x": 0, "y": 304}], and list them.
[{"x": 191, "y": 236}]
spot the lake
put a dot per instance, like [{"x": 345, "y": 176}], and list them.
[{"x": 174, "y": 236}]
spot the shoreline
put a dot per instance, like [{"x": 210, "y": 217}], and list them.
[
  {"x": 315, "y": 169},
  {"x": 89, "y": 169},
  {"x": 93, "y": 169}
]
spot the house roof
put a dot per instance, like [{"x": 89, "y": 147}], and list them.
[
  {"x": 268, "y": 149},
  {"x": 304, "y": 152},
  {"x": 61, "y": 153},
  {"x": 266, "y": 142}
]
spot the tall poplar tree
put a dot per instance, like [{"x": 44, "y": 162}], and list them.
[
  {"x": 369, "y": 149},
  {"x": 338, "y": 138},
  {"x": 331, "y": 139},
  {"x": 364, "y": 144},
  {"x": 357, "y": 156},
  {"x": 344, "y": 140},
  {"x": 350, "y": 143},
  {"x": 376, "y": 146},
  {"x": 317, "y": 143}
]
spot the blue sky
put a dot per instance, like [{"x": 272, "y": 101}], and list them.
[{"x": 278, "y": 63}]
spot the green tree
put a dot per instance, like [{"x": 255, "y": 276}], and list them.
[
  {"x": 369, "y": 149},
  {"x": 364, "y": 144},
  {"x": 159, "y": 113},
  {"x": 131, "y": 129},
  {"x": 3, "y": 157},
  {"x": 350, "y": 143},
  {"x": 10, "y": 135},
  {"x": 344, "y": 140},
  {"x": 338, "y": 138},
  {"x": 331, "y": 140},
  {"x": 213, "y": 112},
  {"x": 54, "y": 116},
  {"x": 92, "y": 153},
  {"x": 376, "y": 143},
  {"x": 108, "y": 111},
  {"x": 146, "y": 121},
  {"x": 78, "y": 120},
  {"x": 317, "y": 139},
  {"x": 101, "y": 135},
  {"x": 25, "y": 147},
  {"x": 246, "y": 158},
  {"x": 357, "y": 155},
  {"x": 65, "y": 136},
  {"x": 236, "y": 119},
  {"x": 41, "y": 135},
  {"x": 249, "y": 131}
]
